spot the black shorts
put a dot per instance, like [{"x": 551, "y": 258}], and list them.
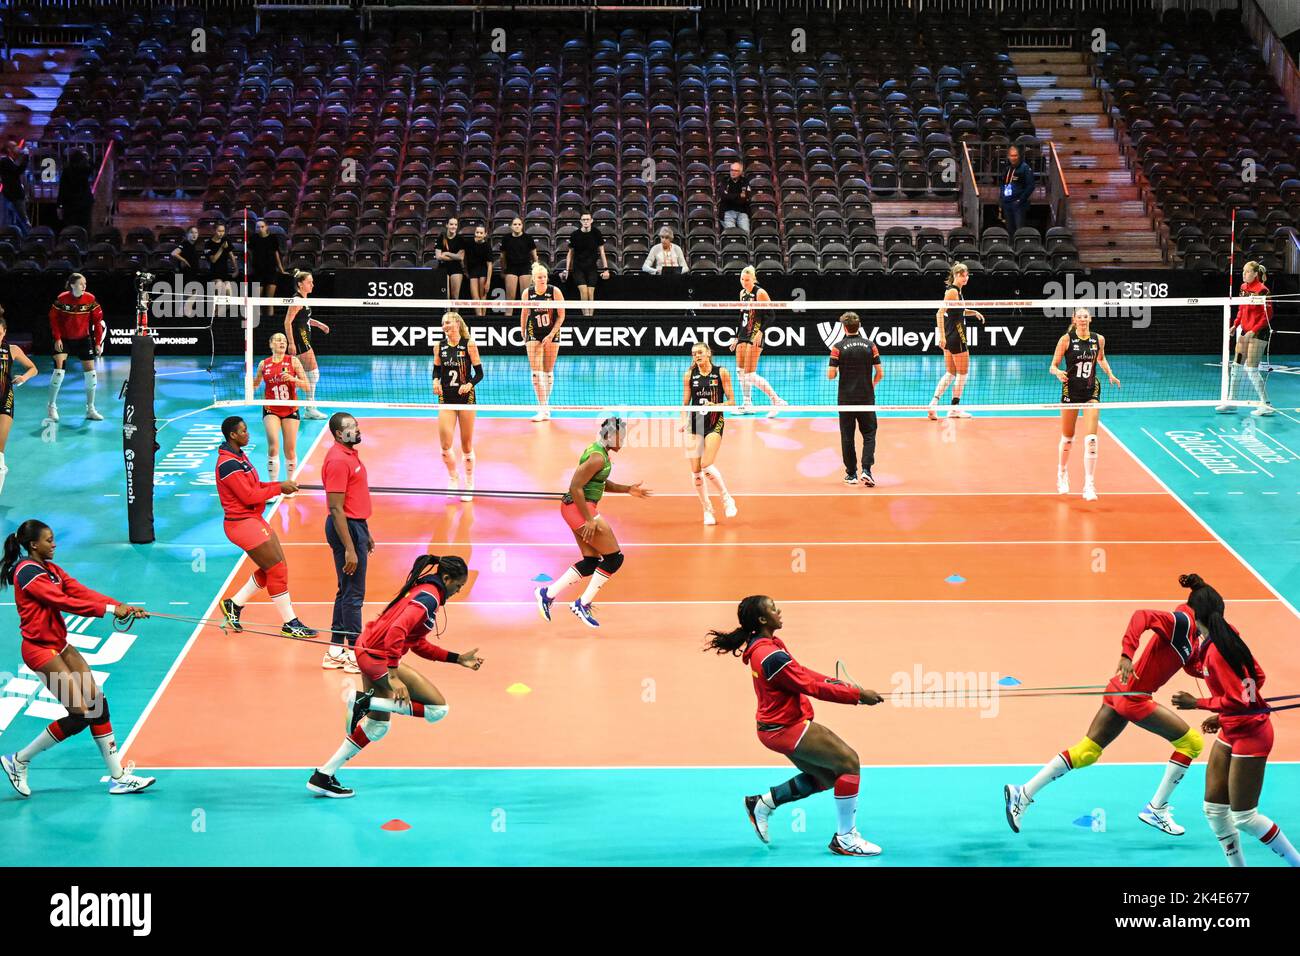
[
  {"x": 478, "y": 273},
  {"x": 83, "y": 349},
  {"x": 265, "y": 279},
  {"x": 267, "y": 413},
  {"x": 1263, "y": 335},
  {"x": 754, "y": 337},
  {"x": 302, "y": 338},
  {"x": 524, "y": 270},
  {"x": 711, "y": 423},
  {"x": 534, "y": 332},
  {"x": 954, "y": 340},
  {"x": 7, "y": 401},
  {"x": 586, "y": 276},
  {"x": 454, "y": 397},
  {"x": 1079, "y": 393}
]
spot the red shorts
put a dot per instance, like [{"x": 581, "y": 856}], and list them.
[
  {"x": 573, "y": 517},
  {"x": 1252, "y": 740},
  {"x": 1130, "y": 708},
  {"x": 248, "y": 533},
  {"x": 37, "y": 656},
  {"x": 373, "y": 662},
  {"x": 785, "y": 740}
]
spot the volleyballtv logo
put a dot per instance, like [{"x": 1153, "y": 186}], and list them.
[{"x": 832, "y": 333}]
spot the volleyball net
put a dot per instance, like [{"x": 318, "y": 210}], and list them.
[{"x": 634, "y": 354}]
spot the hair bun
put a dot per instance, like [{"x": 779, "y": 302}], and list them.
[{"x": 1190, "y": 581}]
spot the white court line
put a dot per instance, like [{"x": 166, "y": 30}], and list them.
[
  {"x": 171, "y": 671},
  {"x": 1278, "y": 443},
  {"x": 1199, "y": 520},
  {"x": 735, "y": 544},
  {"x": 1167, "y": 452},
  {"x": 1230, "y": 438},
  {"x": 765, "y": 767}
]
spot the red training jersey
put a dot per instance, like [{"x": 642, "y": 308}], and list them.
[
  {"x": 1231, "y": 693},
  {"x": 278, "y": 379},
  {"x": 43, "y": 592},
  {"x": 783, "y": 685},
  {"x": 1176, "y": 645},
  {"x": 73, "y": 317},
  {"x": 1253, "y": 318},
  {"x": 403, "y": 626},
  {"x": 242, "y": 493}
]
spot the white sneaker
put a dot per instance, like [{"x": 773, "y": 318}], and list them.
[
  {"x": 758, "y": 811},
  {"x": 776, "y": 408},
  {"x": 1017, "y": 803},
  {"x": 92, "y": 414},
  {"x": 539, "y": 417},
  {"x": 350, "y": 662},
  {"x": 1161, "y": 818},
  {"x": 709, "y": 519},
  {"x": 729, "y": 506},
  {"x": 335, "y": 661},
  {"x": 52, "y": 412},
  {"x": 1226, "y": 409},
  {"x": 932, "y": 412},
  {"x": 314, "y": 414},
  {"x": 1263, "y": 411},
  {"x": 469, "y": 486},
  {"x": 1089, "y": 492},
  {"x": 745, "y": 410},
  {"x": 853, "y": 844},
  {"x": 16, "y": 772},
  {"x": 130, "y": 783},
  {"x": 1062, "y": 482},
  {"x": 956, "y": 411}
]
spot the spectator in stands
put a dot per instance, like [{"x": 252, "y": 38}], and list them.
[
  {"x": 1017, "y": 188},
  {"x": 518, "y": 253},
  {"x": 478, "y": 266},
  {"x": 264, "y": 263},
  {"x": 76, "y": 200},
  {"x": 13, "y": 165},
  {"x": 187, "y": 253},
  {"x": 586, "y": 259},
  {"x": 735, "y": 190},
  {"x": 221, "y": 260},
  {"x": 667, "y": 257},
  {"x": 450, "y": 253}
]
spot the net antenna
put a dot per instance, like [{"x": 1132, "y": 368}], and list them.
[
  {"x": 247, "y": 310},
  {"x": 1225, "y": 380}
]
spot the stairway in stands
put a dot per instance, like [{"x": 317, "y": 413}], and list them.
[
  {"x": 1107, "y": 214},
  {"x": 31, "y": 81}
]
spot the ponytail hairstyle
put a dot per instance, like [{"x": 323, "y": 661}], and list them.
[
  {"x": 452, "y": 566},
  {"x": 28, "y": 533},
  {"x": 748, "y": 612},
  {"x": 957, "y": 269},
  {"x": 1261, "y": 273},
  {"x": 1080, "y": 312},
  {"x": 299, "y": 277},
  {"x": 460, "y": 322},
  {"x": 1207, "y": 604}
]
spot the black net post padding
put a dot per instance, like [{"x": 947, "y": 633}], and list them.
[{"x": 139, "y": 433}]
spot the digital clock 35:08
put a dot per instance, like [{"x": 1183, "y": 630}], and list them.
[{"x": 391, "y": 290}]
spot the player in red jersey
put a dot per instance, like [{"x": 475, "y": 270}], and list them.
[
  {"x": 1175, "y": 645},
  {"x": 281, "y": 375},
  {"x": 785, "y": 723},
  {"x": 1253, "y": 327},
  {"x": 44, "y": 592},
  {"x": 243, "y": 496},
  {"x": 1234, "y": 773},
  {"x": 77, "y": 325},
  {"x": 9, "y": 354},
  {"x": 392, "y": 687}
]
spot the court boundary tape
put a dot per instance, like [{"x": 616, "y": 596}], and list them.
[
  {"x": 198, "y": 628},
  {"x": 730, "y": 602},
  {"x": 1202, "y": 522},
  {"x": 640, "y": 767}
]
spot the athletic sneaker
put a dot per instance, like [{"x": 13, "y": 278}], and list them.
[
  {"x": 16, "y": 771},
  {"x": 130, "y": 783},
  {"x": 1062, "y": 482},
  {"x": 1226, "y": 409},
  {"x": 544, "y": 602},
  {"x": 956, "y": 411},
  {"x": 709, "y": 519},
  {"x": 729, "y": 506},
  {"x": 758, "y": 811},
  {"x": 1161, "y": 818},
  {"x": 344, "y": 660},
  {"x": 867, "y": 478},
  {"x": 52, "y": 412},
  {"x": 850, "y": 478},
  {"x": 297, "y": 628},
  {"x": 231, "y": 611},
  {"x": 932, "y": 412},
  {"x": 853, "y": 844},
  {"x": 745, "y": 409},
  {"x": 314, "y": 414},
  {"x": 1263, "y": 411},
  {"x": 583, "y": 613},
  {"x": 358, "y": 707},
  {"x": 326, "y": 786},
  {"x": 541, "y": 416},
  {"x": 453, "y": 483},
  {"x": 1089, "y": 492},
  {"x": 1017, "y": 803},
  {"x": 469, "y": 486},
  {"x": 776, "y": 408},
  {"x": 92, "y": 414}
]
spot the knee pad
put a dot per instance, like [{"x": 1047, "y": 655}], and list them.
[
  {"x": 610, "y": 563},
  {"x": 1090, "y": 446},
  {"x": 1252, "y": 822},
  {"x": 277, "y": 579},
  {"x": 1084, "y": 754},
  {"x": 449, "y": 457},
  {"x": 434, "y": 713},
  {"x": 98, "y": 718},
  {"x": 259, "y": 578},
  {"x": 699, "y": 478},
  {"x": 712, "y": 472},
  {"x": 1066, "y": 442},
  {"x": 1190, "y": 744},
  {"x": 70, "y": 725},
  {"x": 587, "y": 566},
  {"x": 1219, "y": 816},
  {"x": 374, "y": 729}
]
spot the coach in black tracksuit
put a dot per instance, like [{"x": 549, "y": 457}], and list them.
[{"x": 856, "y": 362}]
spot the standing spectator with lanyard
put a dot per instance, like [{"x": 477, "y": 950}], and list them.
[
  {"x": 13, "y": 165},
  {"x": 856, "y": 363},
  {"x": 221, "y": 260},
  {"x": 347, "y": 492},
  {"x": 586, "y": 246},
  {"x": 1017, "y": 188},
  {"x": 264, "y": 263},
  {"x": 735, "y": 190}
]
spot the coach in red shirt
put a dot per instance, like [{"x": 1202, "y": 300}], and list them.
[{"x": 347, "y": 491}]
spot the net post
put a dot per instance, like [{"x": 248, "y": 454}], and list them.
[{"x": 139, "y": 439}]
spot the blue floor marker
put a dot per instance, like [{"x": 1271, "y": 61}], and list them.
[
  {"x": 543, "y": 577},
  {"x": 955, "y": 579},
  {"x": 1008, "y": 681}
]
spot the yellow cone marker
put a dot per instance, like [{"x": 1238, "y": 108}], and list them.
[{"x": 519, "y": 689}]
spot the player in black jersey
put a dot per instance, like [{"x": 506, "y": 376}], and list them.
[
  {"x": 1083, "y": 352},
  {"x": 706, "y": 384},
  {"x": 9, "y": 354},
  {"x": 541, "y": 325},
  {"x": 749, "y": 344},
  {"x": 298, "y": 324},
  {"x": 951, "y": 333},
  {"x": 456, "y": 370}
]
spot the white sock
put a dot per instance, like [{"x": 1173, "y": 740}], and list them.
[
  {"x": 846, "y": 813},
  {"x": 373, "y": 729},
  {"x": 108, "y": 750},
  {"x": 92, "y": 380},
  {"x": 715, "y": 476},
  {"x": 548, "y": 383},
  {"x": 312, "y": 378},
  {"x": 537, "y": 387},
  {"x": 1267, "y": 832},
  {"x": 958, "y": 386},
  {"x": 702, "y": 490},
  {"x": 943, "y": 385},
  {"x": 1234, "y": 373},
  {"x": 449, "y": 459},
  {"x": 43, "y": 742},
  {"x": 1257, "y": 382},
  {"x": 272, "y": 469},
  {"x": 763, "y": 386},
  {"x": 1089, "y": 458},
  {"x": 291, "y": 469},
  {"x": 4, "y": 470},
  {"x": 1174, "y": 773},
  {"x": 1063, "y": 453},
  {"x": 567, "y": 579},
  {"x": 56, "y": 383},
  {"x": 469, "y": 466},
  {"x": 594, "y": 585},
  {"x": 284, "y": 606},
  {"x": 1054, "y": 769},
  {"x": 250, "y": 588},
  {"x": 746, "y": 387},
  {"x": 1219, "y": 817}
]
